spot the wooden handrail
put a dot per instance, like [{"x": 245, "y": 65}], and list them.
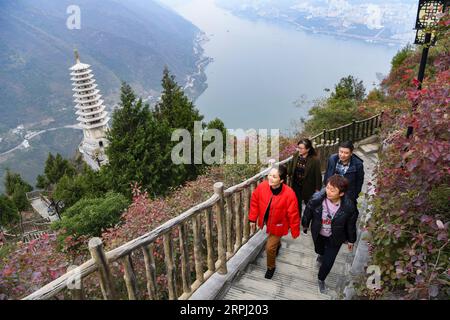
[
  {"x": 350, "y": 131},
  {"x": 224, "y": 217}
]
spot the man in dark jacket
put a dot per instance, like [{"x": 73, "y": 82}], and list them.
[
  {"x": 348, "y": 165},
  {"x": 332, "y": 216}
]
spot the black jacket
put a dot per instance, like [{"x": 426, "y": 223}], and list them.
[
  {"x": 343, "y": 225},
  {"x": 354, "y": 174}
]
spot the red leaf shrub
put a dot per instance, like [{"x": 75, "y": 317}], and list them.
[{"x": 410, "y": 220}]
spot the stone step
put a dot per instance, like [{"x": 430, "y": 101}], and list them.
[
  {"x": 274, "y": 289},
  {"x": 299, "y": 261},
  {"x": 303, "y": 256},
  {"x": 370, "y": 148},
  {"x": 296, "y": 277},
  {"x": 305, "y": 244}
]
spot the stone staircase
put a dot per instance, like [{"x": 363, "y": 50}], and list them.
[{"x": 295, "y": 277}]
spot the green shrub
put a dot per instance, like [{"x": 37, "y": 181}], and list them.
[{"x": 90, "y": 217}]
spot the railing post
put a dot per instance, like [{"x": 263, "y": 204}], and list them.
[
  {"x": 238, "y": 220},
  {"x": 130, "y": 278},
  {"x": 185, "y": 267},
  {"x": 198, "y": 256},
  {"x": 247, "y": 196},
  {"x": 371, "y": 125},
  {"x": 209, "y": 242},
  {"x": 353, "y": 130},
  {"x": 150, "y": 271},
  {"x": 106, "y": 283},
  {"x": 324, "y": 134},
  {"x": 170, "y": 266},
  {"x": 221, "y": 233},
  {"x": 229, "y": 221}
]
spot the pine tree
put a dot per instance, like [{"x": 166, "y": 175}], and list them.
[
  {"x": 13, "y": 182},
  {"x": 55, "y": 169},
  {"x": 140, "y": 148},
  {"x": 180, "y": 113},
  {"x": 8, "y": 212},
  {"x": 175, "y": 106}
]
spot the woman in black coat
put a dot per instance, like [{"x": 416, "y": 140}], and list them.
[
  {"x": 332, "y": 217},
  {"x": 305, "y": 173}
]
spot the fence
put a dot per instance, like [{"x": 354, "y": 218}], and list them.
[
  {"x": 355, "y": 131},
  {"x": 211, "y": 232}
]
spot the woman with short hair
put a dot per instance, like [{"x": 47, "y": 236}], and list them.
[
  {"x": 274, "y": 204},
  {"x": 332, "y": 216}
]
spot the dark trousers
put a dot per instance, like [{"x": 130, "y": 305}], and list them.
[
  {"x": 325, "y": 248},
  {"x": 298, "y": 193}
]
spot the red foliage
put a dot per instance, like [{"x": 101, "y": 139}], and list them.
[{"x": 409, "y": 228}]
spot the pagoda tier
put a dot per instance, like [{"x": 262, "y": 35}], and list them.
[
  {"x": 92, "y": 115},
  {"x": 92, "y": 112}
]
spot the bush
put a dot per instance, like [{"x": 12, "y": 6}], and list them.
[
  {"x": 410, "y": 220},
  {"x": 90, "y": 217},
  {"x": 401, "y": 56}
]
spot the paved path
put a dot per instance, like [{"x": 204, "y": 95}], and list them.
[
  {"x": 41, "y": 208},
  {"x": 25, "y": 143},
  {"x": 295, "y": 277}
]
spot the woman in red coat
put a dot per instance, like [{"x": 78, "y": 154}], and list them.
[{"x": 275, "y": 205}]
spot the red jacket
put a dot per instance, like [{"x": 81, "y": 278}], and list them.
[{"x": 283, "y": 214}]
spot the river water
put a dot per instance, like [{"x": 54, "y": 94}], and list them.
[{"x": 260, "y": 69}]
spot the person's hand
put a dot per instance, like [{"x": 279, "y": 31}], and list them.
[
  {"x": 350, "y": 246},
  {"x": 252, "y": 227}
]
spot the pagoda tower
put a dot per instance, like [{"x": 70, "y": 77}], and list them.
[{"x": 92, "y": 116}]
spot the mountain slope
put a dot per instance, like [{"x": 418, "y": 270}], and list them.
[{"x": 129, "y": 41}]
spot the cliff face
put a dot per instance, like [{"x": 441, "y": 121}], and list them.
[{"x": 123, "y": 40}]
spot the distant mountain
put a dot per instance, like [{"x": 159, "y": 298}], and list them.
[
  {"x": 127, "y": 40},
  {"x": 380, "y": 21},
  {"x": 123, "y": 40}
]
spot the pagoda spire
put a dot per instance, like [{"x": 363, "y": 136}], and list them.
[
  {"x": 92, "y": 115},
  {"x": 77, "y": 56}
]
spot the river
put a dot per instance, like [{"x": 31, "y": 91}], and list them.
[{"x": 260, "y": 69}]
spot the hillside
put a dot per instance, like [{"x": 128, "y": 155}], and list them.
[
  {"x": 123, "y": 41},
  {"x": 129, "y": 41}
]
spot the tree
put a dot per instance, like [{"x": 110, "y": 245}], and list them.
[
  {"x": 14, "y": 181},
  {"x": 140, "y": 149},
  {"x": 41, "y": 182},
  {"x": 180, "y": 113},
  {"x": 8, "y": 212},
  {"x": 175, "y": 106},
  {"x": 349, "y": 88},
  {"x": 20, "y": 200},
  {"x": 16, "y": 189},
  {"x": 90, "y": 217},
  {"x": 87, "y": 184},
  {"x": 55, "y": 169}
]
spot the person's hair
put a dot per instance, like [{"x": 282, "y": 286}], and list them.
[
  {"x": 339, "y": 182},
  {"x": 348, "y": 145},
  {"x": 308, "y": 145},
  {"x": 282, "y": 171}
]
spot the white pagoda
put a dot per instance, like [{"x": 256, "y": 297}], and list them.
[{"x": 92, "y": 116}]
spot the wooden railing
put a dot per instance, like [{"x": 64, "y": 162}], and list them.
[
  {"x": 217, "y": 228},
  {"x": 354, "y": 131},
  {"x": 211, "y": 232}
]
